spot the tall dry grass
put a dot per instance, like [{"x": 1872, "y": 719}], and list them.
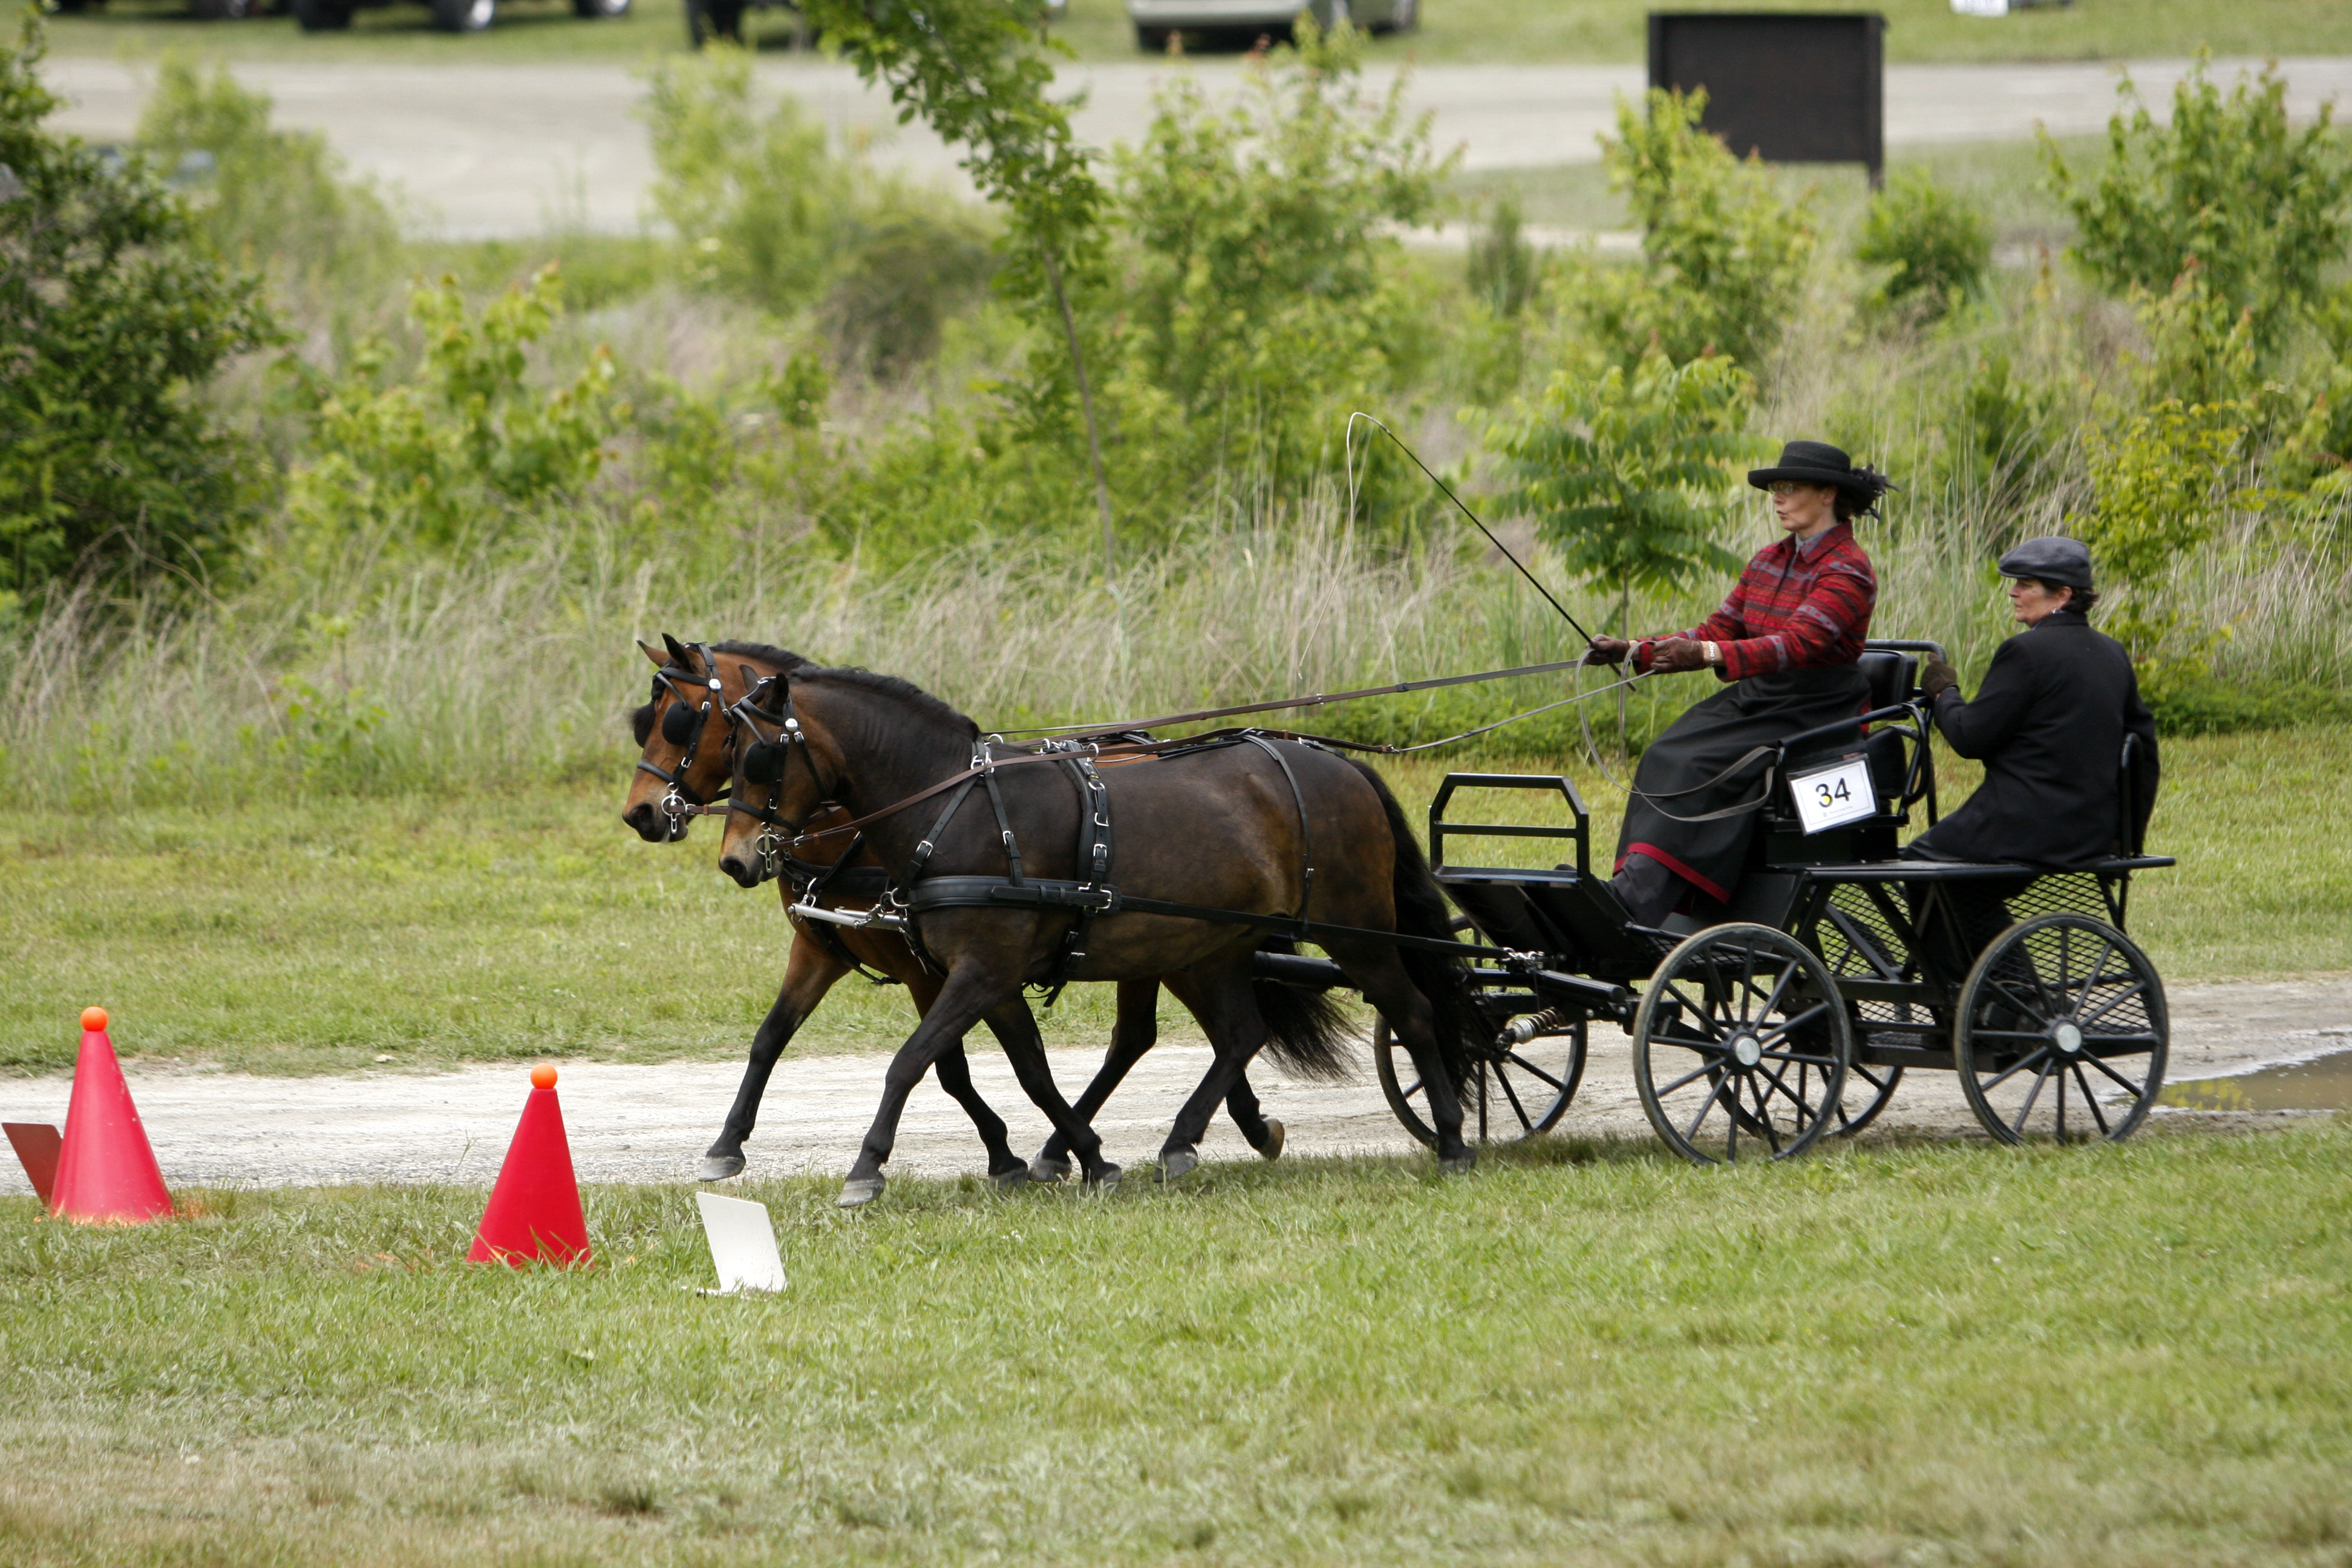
[{"x": 515, "y": 665}]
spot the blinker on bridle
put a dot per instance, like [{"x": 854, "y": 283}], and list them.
[{"x": 684, "y": 724}]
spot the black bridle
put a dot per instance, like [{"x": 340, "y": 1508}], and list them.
[
  {"x": 684, "y": 723},
  {"x": 764, "y": 762}
]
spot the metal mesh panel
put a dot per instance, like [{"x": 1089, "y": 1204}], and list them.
[{"x": 2076, "y": 891}]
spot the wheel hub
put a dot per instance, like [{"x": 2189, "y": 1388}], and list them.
[
  {"x": 2067, "y": 1035},
  {"x": 1746, "y": 1050}
]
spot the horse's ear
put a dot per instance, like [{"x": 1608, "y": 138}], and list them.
[
  {"x": 678, "y": 653},
  {"x": 651, "y": 652}
]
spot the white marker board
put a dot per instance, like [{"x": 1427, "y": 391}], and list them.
[{"x": 742, "y": 1244}]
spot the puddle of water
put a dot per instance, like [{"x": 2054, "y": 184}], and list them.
[{"x": 2324, "y": 1083}]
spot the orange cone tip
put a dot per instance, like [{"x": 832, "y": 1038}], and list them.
[
  {"x": 534, "y": 1210},
  {"x": 106, "y": 1168}
]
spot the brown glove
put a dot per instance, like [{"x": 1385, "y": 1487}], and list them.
[
  {"x": 1936, "y": 678},
  {"x": 1677, "y": 654},
  {"x": 1608, "y": 650}
]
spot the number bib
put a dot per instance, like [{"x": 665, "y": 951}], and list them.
[{"x": 1835, "y": 795}]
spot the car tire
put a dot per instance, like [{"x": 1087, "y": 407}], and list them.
[
  {"x": 464, "y": 15},
  {"x": 1403, "y": 17},
  {"x": 322, "y": 15},
  {"x": 599, "y": 10},
  {"x": 709, "y": 19},
  {"x": 1151, "y": 40},
  {"x": 222, "y": 10}
]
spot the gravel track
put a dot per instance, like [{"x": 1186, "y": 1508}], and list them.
[{"x": 651, "y": 1124}]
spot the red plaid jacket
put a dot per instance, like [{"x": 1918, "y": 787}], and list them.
[{"x": 1796, "y": 607}]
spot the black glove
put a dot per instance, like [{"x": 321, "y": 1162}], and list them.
[
  {"x": 1936, "y": 678},
  {"x": 1677, "y": 654},
  {"x": 1608, "y": 650}
]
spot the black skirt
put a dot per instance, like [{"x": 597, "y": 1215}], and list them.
[{"x": 1712, "y": 735}]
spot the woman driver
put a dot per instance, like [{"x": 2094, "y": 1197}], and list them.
[{"x": 1787, "y": 642}]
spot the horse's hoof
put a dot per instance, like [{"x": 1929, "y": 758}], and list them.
[
  {"x": 1040, "y": 1169},
  {"x": 858, "y": 1192},
  {"x": 719, "y": 1167},
  {"x": 1106, "y": 1179},
  {"x": 1460, "y": 1165},
  {"x": 1006, "y": 1180},
  {"x": 1178, "y": 1164},
  {"x": 1272, "y": 1148}
]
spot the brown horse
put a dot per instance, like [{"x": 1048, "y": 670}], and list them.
[
  {"x": 687, "y": 757},
  {"x": 1276, "y": 830}
]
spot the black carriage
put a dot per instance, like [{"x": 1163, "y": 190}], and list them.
[{"x": 1835, "y": 970}]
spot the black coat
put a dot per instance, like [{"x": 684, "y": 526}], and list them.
[{"x": 2048, "y": 724}]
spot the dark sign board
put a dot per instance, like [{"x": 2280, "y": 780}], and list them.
[{"x": 1792, "y": 87}]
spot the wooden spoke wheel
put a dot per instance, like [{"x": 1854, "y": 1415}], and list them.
[
  {"x": 1515, "y": 1091},
  {"x": 1868, "y": 1088},
  {"x": 1741, "y": 1046},
  {"x": 2061, "y": 1032}
]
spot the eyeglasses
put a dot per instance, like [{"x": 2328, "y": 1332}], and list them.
[{"x": 1788, "y": 486}]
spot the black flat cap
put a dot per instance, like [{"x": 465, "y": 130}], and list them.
[
  {"x": 1819, "y": 463},
  {"x": 2061, "y": 561}
]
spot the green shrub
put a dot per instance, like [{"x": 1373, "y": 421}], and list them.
[
  {"x": 2187, "y": 698},
  {"x": 1504, "y": 268},
  {"x": 1937, "y": 245},
  {"x": 435, "y": 461},
  {"x": 1724, "y": 257},
  {"x": 114, "y": 317},
  {"x": 913, "y": 261},
  {"x": 2262, "y": 209}
]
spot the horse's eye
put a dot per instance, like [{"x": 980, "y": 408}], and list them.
[
  {"x": 763, "y": 763},
  {"x": 678, "y": 724}
]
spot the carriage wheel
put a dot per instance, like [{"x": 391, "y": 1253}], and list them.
[
  {"x": 1523, "y": 1092},
  {"x": 2062, "y": 1031},
  {"x": 1867, "y": 1090},
  {"x": 1741, "y": 1046}
]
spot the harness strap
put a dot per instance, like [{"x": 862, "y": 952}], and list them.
[
  {"x": 984, "y": 758},
  {"x": 978, "y": 892},
  {"x": 1306, "y": 834}
]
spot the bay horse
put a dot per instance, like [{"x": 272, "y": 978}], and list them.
[
  {"x": 1256, "y": 827},
  {"x": 686, "y": 762}
]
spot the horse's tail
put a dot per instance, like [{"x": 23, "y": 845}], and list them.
[
  {"x": 1308, "y": 1032},
  {"x": 1420, "y": 911}
]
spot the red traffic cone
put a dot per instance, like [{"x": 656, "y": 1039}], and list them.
[
  {"x": 534, "y": 1210},
  {"x": 105, "y": 1172}
]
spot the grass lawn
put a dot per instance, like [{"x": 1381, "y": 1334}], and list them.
[
  {"x": 1504, "y": 31},
  {"x": 320, "y": 935},
  {"x": 1950, "y": 1354}
]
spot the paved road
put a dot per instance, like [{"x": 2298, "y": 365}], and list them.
[
  {"x": 503, "y": 150},
  {"x": 652, "y": 1123}
]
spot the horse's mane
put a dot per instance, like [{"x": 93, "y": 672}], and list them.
[{"x": 906, "y": 691}]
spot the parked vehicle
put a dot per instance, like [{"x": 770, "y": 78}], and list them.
[
  {"x": 1243, "y": 22},
  {"x": 450, "y": 16}
]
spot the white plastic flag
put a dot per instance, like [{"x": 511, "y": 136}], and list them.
[{"x": 742, "y": 1244}]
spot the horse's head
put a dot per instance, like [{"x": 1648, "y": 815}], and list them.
[
  {"x": 783, "y": 779},
  {"x": 686, "y": 734}
]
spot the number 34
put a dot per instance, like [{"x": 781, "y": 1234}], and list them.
[{"x": 1831, "y": 792}]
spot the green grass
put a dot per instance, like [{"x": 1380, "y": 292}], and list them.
[
  {"x": 316, "y": 936},
  {"x": 1582, "y": 1354},
  {"x": 1504, "y": 31}
]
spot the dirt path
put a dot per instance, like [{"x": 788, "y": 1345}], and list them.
[{"x": 652, "y": 1123}]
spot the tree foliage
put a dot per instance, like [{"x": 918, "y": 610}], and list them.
[
  {"x": 1724, "y": 257},
  {"x": 1936, "y": 246},
  {"x": 434, "y": 460},
  {"x": 1626, "y": 475},
  {"x": 114, "y": 316},
  {"x": 2260, "y": 208},
  {"x": 1261, "y": 241}
]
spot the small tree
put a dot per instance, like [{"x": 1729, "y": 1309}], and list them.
[
  {"x": 977, "y": 71},
  {"x": 1936, "y": 246},
  {"x": 2261, "y": 208},
  {"x": 2157, "y": 477},
  {"x": 1724, "y": 255},
  {"x": 114, "y": 317},
  {"x": 1627, "y": 475}
]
